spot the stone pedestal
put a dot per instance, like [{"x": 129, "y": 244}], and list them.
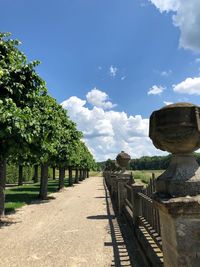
[
  {"x": 113, "y": 185},
  {"x": 122, "y": 180},
  {"x": 181, "y": 178},
  {"x": 180, "y": 230}
]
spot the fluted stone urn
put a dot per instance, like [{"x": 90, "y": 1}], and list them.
[{"x": 176, "y": 129}]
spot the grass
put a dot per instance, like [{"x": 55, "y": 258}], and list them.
[
  {"x": 18, "y": 196},
  {"x": 145, "y": 175},
  {"x": 95, "y": 173}
]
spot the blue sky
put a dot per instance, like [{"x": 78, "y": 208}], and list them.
[{"x": 133, "y": 54}]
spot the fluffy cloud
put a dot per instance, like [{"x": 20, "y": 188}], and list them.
[
  {"x": 186, "y": 17},
  {"x": 107, "y": 132},
  {"x": 99, "y": 99},
  {"x": 167, "y": 103},
  {"x": 113, "y": 71},
  {"x": 155, "y": 90},
  {"x": 166, "y": 5},
  {"x": 190, "y": 86}
]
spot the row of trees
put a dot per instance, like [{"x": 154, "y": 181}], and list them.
[
  {"x": 144, "y": 163},
  {"x": 34, "y": 128},
  {"x": 150, "y": 163},
  {"x": 155, "y": 162}
]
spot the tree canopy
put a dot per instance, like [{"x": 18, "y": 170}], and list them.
[{"x": 34, "y": 128}]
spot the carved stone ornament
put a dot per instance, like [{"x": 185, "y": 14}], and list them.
[
  {"x": 176, "y": 129},
  {"x": 123, "y": 159}
]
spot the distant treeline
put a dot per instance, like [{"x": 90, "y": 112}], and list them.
[{"x": 149, "y": 163}]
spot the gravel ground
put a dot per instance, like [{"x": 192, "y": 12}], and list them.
[{"x": 71, "y": 230}]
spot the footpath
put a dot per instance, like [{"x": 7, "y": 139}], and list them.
[{"x": 76, "y": 228}]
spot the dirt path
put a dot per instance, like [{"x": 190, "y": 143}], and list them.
[{"x": 72, "y": 230}]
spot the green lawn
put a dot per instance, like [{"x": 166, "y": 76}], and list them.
[
  {"x": 19, "y": 196},
  {"x": 145, "y": 175},
  {"x": 95, "y": 173}
]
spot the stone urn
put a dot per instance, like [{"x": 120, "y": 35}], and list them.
[
  {"x": 176, "y": 129},
  {"x": 122, "y": 160}
]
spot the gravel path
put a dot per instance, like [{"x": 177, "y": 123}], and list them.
[{"x": 72, "y": 230}]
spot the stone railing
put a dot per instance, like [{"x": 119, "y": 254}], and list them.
[
  {"x": 173, "y": 199},
  {"x": 134, "y": 201}
]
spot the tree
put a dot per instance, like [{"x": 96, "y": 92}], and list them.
[
  {"x": 45, "y": 146},
  {"x": 86, "y": 162},
  {"x": 67, "y": 148},
  {"x": 19, "y": 84}
]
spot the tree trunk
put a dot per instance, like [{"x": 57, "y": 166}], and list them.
[
  {"x": 76, "y": 177},
  {"x": 44, "y": 181},
  {"x": 2, "y": 185},
  {"x": 84, "y": 174},
  {"x": 54, "y": 173},
  {"x": 35, "y": 176},
  {"x": 20, "y": 175},
  {"x": 61, "y": 178},
  {"x": 80, "y": 175},
  {"x": 70, "y": 176},
  {"x": 88, "y": 173}
]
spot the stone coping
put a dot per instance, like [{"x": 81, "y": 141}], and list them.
[{"x": 188, "y": 205}]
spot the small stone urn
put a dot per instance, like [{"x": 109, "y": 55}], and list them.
[
  {"x": 176, "y": 129},
  {"x": 122, "y": 160}
]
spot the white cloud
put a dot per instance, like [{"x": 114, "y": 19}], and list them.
[
  {"x": 107, "y": 132},
  {"x": 197, "y": 60},
  {"x": 166, "y": 5},
  {"x": 155, "y": 90},
  {"x": 113, "y": 71},
  {"x": 167, "y": 103},
  {"x": 123, "y": 78},
  {"x": 99, "y": 99},
  {"x": 190, "y": 86},
  {"x": 74, "y": 103},
  {"x": 186, "y": 17},
  {"x": 166, "y": 73}
]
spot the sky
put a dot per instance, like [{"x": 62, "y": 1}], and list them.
[{"x": 111, "y": 63}]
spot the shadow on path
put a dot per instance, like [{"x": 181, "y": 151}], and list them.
[
  {"x": 6, "y": 222},
  {"x": 122, "y": 256},
  {"x": 124, "y": 249},
  {"x": 101, "y": 217}
]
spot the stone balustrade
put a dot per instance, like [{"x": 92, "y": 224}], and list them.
[{"x": 170, "y": 213}]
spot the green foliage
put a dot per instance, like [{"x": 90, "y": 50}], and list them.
[
  {"x": 12, "y": 173},
  {"x": 34, "y": 128},
  {"x": 86, "y": 159},
  {"x": 150, "y": 163},
  {"x": 28, "y": 172},
  {"x": 69, "y": 140},
  {"x": 19, "y": 84}
]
